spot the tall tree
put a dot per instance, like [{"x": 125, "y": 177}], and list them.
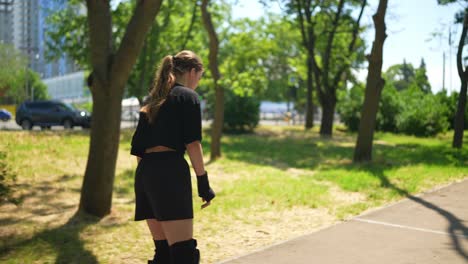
[
  {"x": 460, "y": 17},
  {"x": 407, "y": 71},
  {"x": 305, "y": 10},
  {"x": 421, "y": 79},
  {"x": 320, "y": 22},
  {"x": 110, "y": 70},
  {"x": 404, "y": 76},
  {"x": 217, "y": 125},
  {"x": 463, "y": 73},
  {"x": 328, "y": 92},
  {"x": 374, "y": 86}
]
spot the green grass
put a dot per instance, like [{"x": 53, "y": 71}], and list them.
[{"x": 275, "y": 184}]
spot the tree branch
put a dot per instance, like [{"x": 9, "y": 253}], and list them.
[
  {"x": 192, "y": 22},
  {"x": 331, "y": 37},
  {"x": 141, "y": 21},
  {"x": 305, "y": 40},
  {"x": 214, "y": 42},
  {"x": 351, "y": 46},
  {"x": 100, "y": 37},
  {"x": 461, "y": 44}
]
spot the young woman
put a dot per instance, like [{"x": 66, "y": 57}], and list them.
[{"x": 169, "y": 125}]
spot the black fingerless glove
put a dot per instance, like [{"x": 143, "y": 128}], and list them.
[{"x": 204, "y": 190}]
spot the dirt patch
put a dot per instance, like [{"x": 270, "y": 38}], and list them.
[
  {"x": 343, "y": 198},
  {"x": 250, "y": 232}
]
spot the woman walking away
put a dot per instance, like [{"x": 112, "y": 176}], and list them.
[{"x": 169, "y": 125}]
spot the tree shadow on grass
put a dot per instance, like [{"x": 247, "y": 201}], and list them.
[
  {"x": 65, "y": 241},
  {"x": 302, "y": 153},
  {"x": 456, "y": 225},
  {"x": 40, "y": 199},
  {"x": 44, "y": 203},
  {"x": 282, "y": 152}
]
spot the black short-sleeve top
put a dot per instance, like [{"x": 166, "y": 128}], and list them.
[{"x": 177, "y": 123}]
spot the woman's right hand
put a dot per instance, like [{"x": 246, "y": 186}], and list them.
[
  {"x": 206, "y": 204},
  {"x": 204, "y": 190}
]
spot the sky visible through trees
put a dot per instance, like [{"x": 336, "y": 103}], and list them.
[{"x": 409, "y": 36}]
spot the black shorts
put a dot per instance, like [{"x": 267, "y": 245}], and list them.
[{"x": 163, "y": 189}]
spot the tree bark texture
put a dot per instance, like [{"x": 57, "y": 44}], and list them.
[
  {"x": 109, "y": 76},
  {"x": 461, "y": 106},
  {"x": 217, "y": 126},
  {"x": 328, "y": 94},
  {"x": 328, "y": 113},
  {"x": 310, "y": 96},
  {"x": 304, "y": 11},
  {"x": 374, "y": 86}
]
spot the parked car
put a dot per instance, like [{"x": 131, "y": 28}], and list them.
[
  {"x": 51, "y": 113},
  {"x": 130, "y": 109},
  {"x": 5, "y": 115},
  {"x": 128, "y": 115}
]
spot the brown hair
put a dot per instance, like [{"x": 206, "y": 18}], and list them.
[{"x": 165, "y": 78}]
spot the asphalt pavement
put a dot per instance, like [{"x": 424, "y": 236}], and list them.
[{"x": 431, "y": 228}]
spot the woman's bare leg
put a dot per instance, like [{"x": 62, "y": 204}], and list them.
[
  {"x": 156, "y": 229},
  {"x": 162, "y": 253},
  {"x": 177, "y": 230}
]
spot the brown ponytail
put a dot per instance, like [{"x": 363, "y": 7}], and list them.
[
  {"x": 163, "y": 82},
  {"x": 165, "y": 78}
]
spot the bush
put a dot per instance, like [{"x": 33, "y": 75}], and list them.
[
  {"x": 422, "y": 114},
  {"x": 451, "y": 103},
  {"x": 389, "y": 109},
  {"x": 241, "y": 113},
  {"x": 410, "y": 111},
  {"x": 349, "y": 107},
  {"x": 350, "y": 104}
]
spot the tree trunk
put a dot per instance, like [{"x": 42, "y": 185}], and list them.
[
  {"x": 307, "y": 31},
  {"x": 328, "y": 113},
  {"x": 96, "y": 193},
  {"x": 310, "y": 104},
  {"x": 217, "y": 126},
  {"x": 328, "y": 101},
  {"x": 463, "y": 73},
  {"x": 374, "y": 85},
  {"x": 460, "y": 116},
  {"x": 109, "y": 76}
]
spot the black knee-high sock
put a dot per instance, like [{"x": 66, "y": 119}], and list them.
[
  {"x": 162, "y": 254},
  {"x": 185, "y": 252}
]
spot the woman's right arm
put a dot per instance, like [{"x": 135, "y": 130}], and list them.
[{"x": 195, "y": 152}]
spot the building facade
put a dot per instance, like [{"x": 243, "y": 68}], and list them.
[
  {"x": 23, "y": 24},
  {"x": 69, "y": 88},
  {"x": 6, "y": 21}
]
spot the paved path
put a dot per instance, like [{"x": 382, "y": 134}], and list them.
[{"x": 427, "y": 229}]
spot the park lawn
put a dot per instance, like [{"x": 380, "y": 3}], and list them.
[{"x": 273, "y": 185}]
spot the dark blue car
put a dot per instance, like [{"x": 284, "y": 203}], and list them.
[
  {"x": 51, "y": 113},
  {"x": 5, "y": 115}
]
